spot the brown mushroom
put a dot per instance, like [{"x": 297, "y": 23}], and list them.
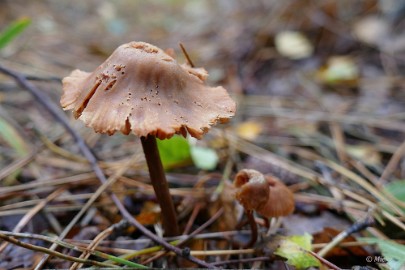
[
  {"x": 280, "y": 202},
  {"x": 143, "y": 90},
  {"x": 266, "y": 195},
  {"x": 140, "y": 89}
]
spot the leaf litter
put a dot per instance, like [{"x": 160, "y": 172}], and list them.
[{"x": 329, "y": 124}]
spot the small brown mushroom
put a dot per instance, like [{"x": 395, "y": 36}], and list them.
[
  {"x": 140, "y": 89},
  {"x": 252, "y": 189},
  {"x": 266, "y": 195},
  {"x": 280, "y": 202}
]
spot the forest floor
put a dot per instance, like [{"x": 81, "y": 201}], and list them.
[{"x": 319, "y": 88}]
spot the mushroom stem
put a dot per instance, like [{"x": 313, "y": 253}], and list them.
[
  {"x": 253, "y": 227},
  {"x": 160, "y": 185}
]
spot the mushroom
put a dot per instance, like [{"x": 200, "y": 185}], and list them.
[
  {"x": 266, "y": 195},
  {"x": 140, "y": 89}
]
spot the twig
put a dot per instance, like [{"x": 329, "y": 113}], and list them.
[
  {"x": 6, "y": 171},
  {"x": 364, "y": 184},
  {"x": 195, "y": 232},
  {"x": 45, "y": 101},
  {"x": 96, "y": 241},
  {"x": 28, "y": 216},
  {"x": 323, "y": 261},
  {"x": 186, "y": 55},
  {"x": 51, "y": 252},
  {"x": 356, "y": 227},
  {"x": 193, "y": 216},
  {"x": 83, "y": 210},
  {"x": 395, "y": 159},
  {"x": 66, "y": 245},
  {"x": 258, "y": 106},
  {"x": 256, "y": 259},
  {"x": 43, "y": 79}
]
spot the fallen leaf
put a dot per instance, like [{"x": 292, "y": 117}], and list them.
[
  {"x": 339, "y": 69},
  {"x": 174, "y": 151},
  {"x": 249, "y": 130},
  {"x": 327, "y": 234},
  {"x": 294, "y": 248},
  {"x": 372, "y": 30},
  {"x": 392, "y": 253},
  {"x": 293, "y": 45},
  {"x": 204, "y": 158}
]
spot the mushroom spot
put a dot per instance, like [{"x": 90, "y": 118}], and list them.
[
  {"x": 110, "y": 85},
  {"x": 198, "y": 104},
  {"x": 119, "y": 67}
]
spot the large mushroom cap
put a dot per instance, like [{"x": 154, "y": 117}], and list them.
[{"x": 143, "y": 90}]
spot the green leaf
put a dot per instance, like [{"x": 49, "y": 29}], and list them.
[
  {"x": 10, "y": 135},
  {"x": 397, "y": 189},
  {"x": 204, "y": 158},
  {"x": 174, "y": 151},
  {"x": 13, "y": 30},
  {"x": 392, "y": 252},
  {"x": 294, "y": 248}
]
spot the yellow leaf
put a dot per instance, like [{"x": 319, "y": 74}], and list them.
[{"x": 249, "y": 130}]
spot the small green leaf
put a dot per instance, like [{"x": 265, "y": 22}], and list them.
[
  {"x": 13, "y": 30},
  {"x": 204, "y": 158},
  {"x": 392, "y": 252},
  {"x": 397, "y": 189},
  {"x": 294, "y": 248},
  {"x": 173, "y": 151}
]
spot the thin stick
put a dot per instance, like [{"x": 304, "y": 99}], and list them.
[
  {"x": 356, "y": 227},
  {"x": 160, "y": 185},
  {"x": 256, "y": 259},
  {"x": 193, "y": 216},
  {"x": 51, "y": 252},
  {"x": 92, "y": 246},
  {"x": 186, "y": 55},
  {"x": 188, "y": 237},
  {"x": 392, "y": 164},
  {"x": 61, "y": 118},
  {"x": 323, "y": 261},
  {"x": 82, "y": 211},
  {"x": 28, "y": 216},
  {"x": 96, "y": 253}
]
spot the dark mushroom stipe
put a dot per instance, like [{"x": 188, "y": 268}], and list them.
[{"x": 160, "y": 185}]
